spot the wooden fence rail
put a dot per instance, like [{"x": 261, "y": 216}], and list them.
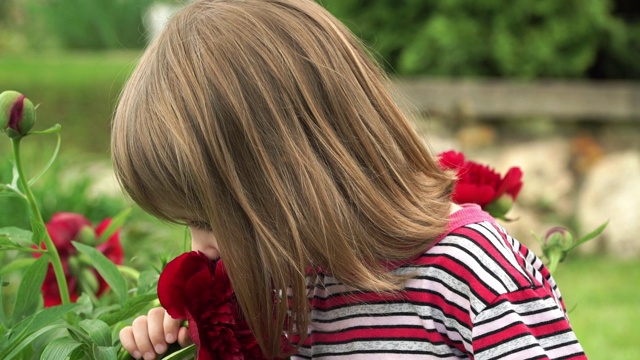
[{"x": 497, "y": 99}]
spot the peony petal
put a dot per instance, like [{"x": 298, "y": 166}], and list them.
[
  {"x": 112, "y": 248},
  {"x": 474, "y": 194},
  {"x": 63, "y": 228},
  {"x": 50, "y": 291},
  {"x": 512, "y": 183},
  {"x": 451, "y": 160},
  {"x": 172, "y": 281}
]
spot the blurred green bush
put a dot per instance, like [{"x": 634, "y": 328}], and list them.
[
  {"x": 86, "y": 186},
  {"x": 517, "y": 38},
  {"x": 91, "y": 24}
]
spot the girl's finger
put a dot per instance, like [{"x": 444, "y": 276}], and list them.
[
  {"x": 141, "y": 335},
  {"x": 184, "y": 339},
  {"x": 171, "y": 327},
  {"x": 155, "y": 320},
  {"x": 129, "y": 343}
]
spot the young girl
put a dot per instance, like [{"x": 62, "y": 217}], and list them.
[{"x": 264, "y": 126}]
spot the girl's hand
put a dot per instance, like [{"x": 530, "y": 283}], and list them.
[{"x": 151, "y": 335}]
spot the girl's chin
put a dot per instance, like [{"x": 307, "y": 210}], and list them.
[{"x": 212, "y": 254}]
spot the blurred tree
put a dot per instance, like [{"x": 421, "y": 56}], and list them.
[
  {"x": 517, "y": 38},
  {"x": 619, "y": 55}
]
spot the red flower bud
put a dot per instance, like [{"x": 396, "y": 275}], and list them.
[{"x": 17, "y": 114}]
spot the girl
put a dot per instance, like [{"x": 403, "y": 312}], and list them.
[{"x": 264, "y": 126}]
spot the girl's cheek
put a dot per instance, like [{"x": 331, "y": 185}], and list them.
[{"x": 204, "y": 241}]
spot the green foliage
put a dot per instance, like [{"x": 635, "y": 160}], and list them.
[
  {"x": 28, "y": 297},
  {"x": 95, "y": 24},
  {"x": 63, "y": 188},
  {"x": 619, "y": 55},
  {"x": 520, "y": 38},
  {"x": 76, "y": 90},
  {"x": 107, "y": 269}
]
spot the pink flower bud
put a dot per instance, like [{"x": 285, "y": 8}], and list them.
[
  {"x": 557, "y": 242},
  {"x": 559, "y": 236},
  {"x": 17, "y": 114}
]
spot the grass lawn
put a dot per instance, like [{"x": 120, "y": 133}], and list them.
[
  {"x": 603, "y": 297},
  {"x": 77, "y": 90}
]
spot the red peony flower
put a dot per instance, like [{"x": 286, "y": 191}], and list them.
[
  {"x": 67, "y": 227},
  {"x": 195, "y": 288},
  {"x": 480, "y": 184}
]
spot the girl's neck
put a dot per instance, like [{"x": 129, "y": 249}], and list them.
[{"x": 454, "y": 208}]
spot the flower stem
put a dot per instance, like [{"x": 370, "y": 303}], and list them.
[
  {"x": 37, "y": 216},
  {"x": 554, "y": 260}
]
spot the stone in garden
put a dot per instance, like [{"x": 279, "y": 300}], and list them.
[
  {"x": 611, "y": 191},
  {"x": 548, "y": 181},
  {"x": 476, "y": 136}
]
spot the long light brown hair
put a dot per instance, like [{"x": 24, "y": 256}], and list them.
[{"x": 267, "y": 120}]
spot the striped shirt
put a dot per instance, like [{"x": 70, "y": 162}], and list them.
[{"x": 477, "y": 293}]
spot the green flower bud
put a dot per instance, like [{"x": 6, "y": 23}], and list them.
[
  {"x": 88, "y": 281},
  {"x": 500, "y": 206},
  {"x": 17, "y": 114},
  {"x": 88, "y": 236},
  {"x": 74, "y": 265}
]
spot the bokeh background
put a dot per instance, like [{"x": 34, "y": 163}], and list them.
[{"x": 551, "y": 86}]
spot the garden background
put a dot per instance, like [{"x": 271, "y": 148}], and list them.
[{"x": 73, "y": 56}]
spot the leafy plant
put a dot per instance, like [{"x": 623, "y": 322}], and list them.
[
  {"x": 524, "y": 39},
  {"x": 88, "y": 327}
]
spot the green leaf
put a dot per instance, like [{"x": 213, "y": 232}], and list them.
[
  {"x": 147, "y": 282},
  {"x": 16, "y": 264},
  {"x": 44, "y": 317},
  {"x": 34, "y": 324},
  {"x": 85, "y": 306},
  {"x": 107, "y": 269},
  {"x": 131, "y": 308},
  {"x": 28, "y": 297},
  {"x": 9, "y": 193},
  {"x": 590, "y": 235},
  {"x": 8, "y": 244},
  {"x": 39, "y": 231},
  {"x": 105, "y": 353},
  {"x": 98, "y": 331},
  {"x": 16, "y": 347},
  {"x": 3, "y": 316},
  {"x": 60, "y": 348},
  {"x": 183, "y": 353},
  {"x": 115, "y": 224},
  {"x": 79, "y": 354},
  {"x": 36, "y": 321},
  {"x": 56, "y": 128},
  {"x": 16, "y": 235}
]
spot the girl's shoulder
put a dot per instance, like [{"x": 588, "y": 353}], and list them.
[{"x": 476, "y": 259}]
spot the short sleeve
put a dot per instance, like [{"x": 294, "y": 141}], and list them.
[{"x": 524, "y": 324}]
